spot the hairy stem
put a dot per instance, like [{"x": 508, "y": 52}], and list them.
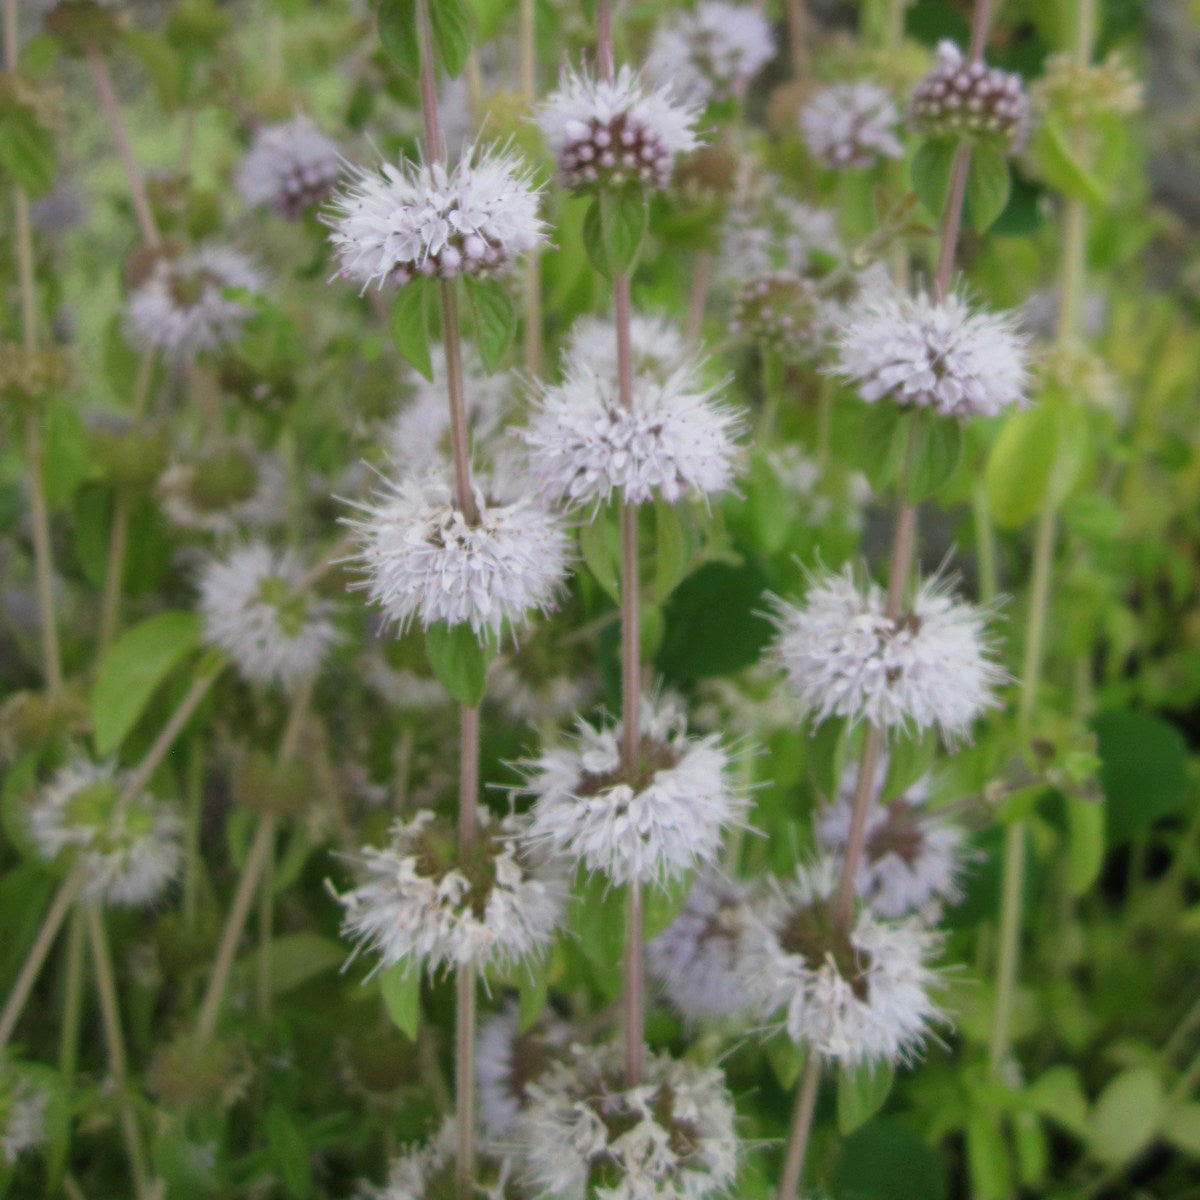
[
  {"x": 464, "y": 1078},
  {"x": 800, "y": 1129},
  {"x": 110, "y": 1014}
]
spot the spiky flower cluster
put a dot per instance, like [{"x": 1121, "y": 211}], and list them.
[
  {"x": 424, "y": 561},
  {"x": 224, "y": 488},
  {"x": 853, "y": 998},
  {"x": 960, "y": 97},
  {"x": 508, "y": 1060},
  {"x": 394, "y": 222},
  {"x": 184, "y": 305},
  {"x": 782, "y": 312},
  {"x": 926, "y": 668},
  {"x": 947, "y": 357},
  {"x": 783, "y": 236},
  {"x": 912, "y": 860},
  {"x": 422, "y": 903},
  {"x": 697, "y": 960},
  {"x": 851, "y": 125},
  {"x": 258, "y": 609},
  {"x": 127, "y": 844},
  {"x": 22, "y": 1114},
  {"x": 657, "y": 346},
  {"x": 650, "y": 824},
  {"x": 676, "y": 440},
  {"x": 711, "y": 51},
  {"x": 612, "y": 133},
  {"x": 585, "y": 1133},
  {"x": 290, "y": 167}
]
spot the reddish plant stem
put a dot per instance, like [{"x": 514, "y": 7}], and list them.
[{"x": 801, "y": 1127}]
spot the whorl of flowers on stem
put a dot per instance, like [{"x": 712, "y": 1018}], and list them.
[
  {"x": 422, "y": 904},
  {"x": 677, "y": 440},
  {"x": 946, "y": 356},
  {"x": 223, "y": 488},
  {"x": 586, "y": 1133},
  {"x": 961, "y": 97},
  {"x": 711, "y": 51},
  {"x": 289, "y": 167},
  {"x": 856, "y": 997},
  {"x": 927, "y": 668},
  {"x": 392, "y": 223},
  {"x": 507, "y": 1061},
  {"x": 423, "y": 560},
  {"x": 851, "y": 125},
  {"x": 615, "y": 133},
  {"x": 22, "y": 1114},
  {"x": 657, "y": 345},
  {"x": 257, "y": 608},
  {"x": 128, "y": 846},
  {"x": 650, "y": 828}
]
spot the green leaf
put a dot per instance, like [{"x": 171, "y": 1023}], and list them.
[
  {"x": 1058, "y": 1096},
  {"x": 290, "y": 1152},
  {"x": 26, "y": 151},
  {"x": 909, "y": 760},
  {"x": 987, "y": 1157},
  {"x": 459, "y": 661},
  {"x": 661, "y": 905},
  {"x": 532, "y": 990},
  {"x": 598, "y": 917},
  {"x": 1060, "y": 168},
  {"x": 132, "y": 670},
  {"x": 786, "y": 1059},
  {"x": 613, "y": 228},
  {"x": 931, "y": 167},
  {"x": 825, "y": 753},
  {"x": 885, "y": 1160},
  {"x": 861, "y": 1092},
  {"x": 397, "y": 23},
  {"x": 1127, "y": 1115},
  {"x": 1182, "y": 1128},
  {"x": 1144, "y": 771},
  {"x": 159, "y": 61},
  {"x": 451, "y": 21},
  {"x": 495, "y": 320},
  {"x": 1017, "y": 476},
  {"x": 937, "y": 447},
  {"x": 670, "y": 550},
  {"x": 67, "y": 453},
  {"x": 988, "y": 183},
  {"x": 600, "y": 545},
  {"x": 881, "y": 442},
  {"x": 400, "y": 987},
  {"x": 295, "y": 959},
  {"x": 1085, "y": 843},
  {"x": 410, "y": 324}
]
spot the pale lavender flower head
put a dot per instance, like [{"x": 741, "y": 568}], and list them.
[
  {"x": 948, "y": 357},
  {"x": 289, "y": 167},
  {"x": 392, "y": 223},
  {"x": 851, "y": 125},
  {"x": 927, "y": 668},
  {"x": 508, "y": 1060},
  {"x": 23, "y": 1107},
  {"x": 615, "y": 133},
  {"x": 711, "y": 51}
]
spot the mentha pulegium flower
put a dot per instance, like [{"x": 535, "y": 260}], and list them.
[
  {"x": 851, "y": 125},
  {"x": 697, "y": 959},
  {"x": 585, "y": 1133},
  {"x": 22, "y": 1114},
  {"x": 666, "y": 820},
  {"x": 782, "y": 312},
  {"x": 615, "y": 133},
  {"x": 780, "y": 235},
  {"x": 257, "y": 609},
  {"x": 419, "y": 903},
  {"x": 960, "y": 97},
  {"x": 657, "y": 346},
  {"x": 856, "y": 998},
  {"x": 507, "y": 1061},
  {"x": 224, "y": 488},
  {"x": 182, "y": 306},
  {"x": 129, "y": 847},
  {"x": 708, "y": 53},
  {"x": 914, "y": 351},
  {"x": 392, "y": 223},
  {"x": 913, "y": 859},
  {"x": 289, "y": 167},
  {"x": 678, "y": 439},
  {"x": 927, "y": 668},
  {"x": 423, "y": 560},
  {"x": 419, "y": 434}
]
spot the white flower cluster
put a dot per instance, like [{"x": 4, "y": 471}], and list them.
[
  {"x": 396, "y": 222},
  {"x": 423, "y": 560},
  {"x": 584, "y": 1133},
  {"x": 22, "y": 1114},
  {"x": 223, "y": 489},
  {"x": 851, "y": 125},
  {"x": 257, "y": 609},
  {"x": 912, "y": 861},
  {"x": 657, "y": 346},
  {"x": 419, "y": 904},
  {"x": 507, "y": 1061},
  {"x": 290, "y": 167},
  {"x": 129, "y": 847},
  {"x": 698, "y": 958},
  {"x": 651, "y": 828},
  {"x": 182, "y": 306},
  {"x": 925, "y": 669},
  {"x": 946, "y": 357},
  {"x": 677, "y": 440},
  {"x": 858, "y": 998},
  {"x": 614, "y": 133},
  {"x": 781, "y": 235},
  {"x": 710, "y": 51}
]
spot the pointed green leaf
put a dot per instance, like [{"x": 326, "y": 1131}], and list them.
[
  {"x": 400, "y": 986},
  {"x": 909, "y": 759},
  {"x": 1018, "y": 470},
  {"x": 937, "y": 447},
  {"x": 861, "y": 1092},
  {"x": 600, "y": 545},
  {"x": 410, "y": 324},
  {"x": 451, "y": 21},
  {"x": 988, "y": 183},
  {"x": 458, "y": 660},
  {"x": 495, "y": 320},
  {"x": 533, "y": 988},
  {"x": 397, "y": 23},
  {"x": 1059, "y": 166},
  {"x": 670, "y": 546},
  {"x": 26, "y": 151},
  {"x": 624, "y": 214},
  {"x": 931, "y": 167}
]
